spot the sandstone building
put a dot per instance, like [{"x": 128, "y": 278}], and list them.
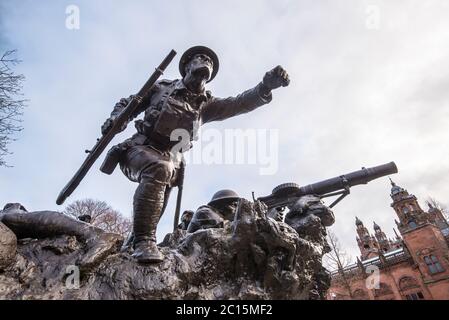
[{"x": 413, "y": 266}]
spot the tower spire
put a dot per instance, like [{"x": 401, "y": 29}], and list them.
[
  {"x": 376, "y": 226},
  {"x": 381, "y": 237},
  {"x": 407, "y": 209},
  {"x": 392, "y": 182},
  {"x": 395, "y": 189},
  {"x": 395, "y": 232},
  {"x": 367, "y": 243}
]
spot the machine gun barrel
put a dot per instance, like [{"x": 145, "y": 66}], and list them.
[
  {"x": 362, "y": 176},
  {"x": 286, "y": 194}
]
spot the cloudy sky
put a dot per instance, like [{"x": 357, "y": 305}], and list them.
[{"x": 369, "y": 85}]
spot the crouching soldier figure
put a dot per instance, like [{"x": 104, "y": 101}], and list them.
[
  {"x": 221, "y": 207},
  {"x": 148, "y": 157},
  {"x": 45, "y": 224}
]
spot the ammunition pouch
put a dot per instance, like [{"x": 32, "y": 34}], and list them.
[
  {"x": 160, "y": 123},
  {"x": 114, "y": 155},
  {"x": 112, "y": 159}
]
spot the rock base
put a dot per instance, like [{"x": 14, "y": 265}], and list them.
[{"x": 254, "y": 257}]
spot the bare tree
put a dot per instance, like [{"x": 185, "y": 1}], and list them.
[
  {"x": 337, "y": 259},
  {"x": 440, "y": 206},
  {"x": 101, "y": 214},
  {"x": 11, "y": 105}
]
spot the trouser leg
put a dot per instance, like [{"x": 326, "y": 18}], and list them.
[
  {"x": 150, "y": 199},
  {"x": 148, "y": 204},
  {"x": 154, "y": 172},
  {"x": 127, "y": 245}
]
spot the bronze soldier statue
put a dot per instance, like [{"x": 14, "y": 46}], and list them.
[
  {"x": 221, "y": 207},
  {"x": 146, "y": 157},
  {"x": 307, "y": 213}
]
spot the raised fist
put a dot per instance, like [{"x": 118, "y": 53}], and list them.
[{"x": 276, "y": 78}]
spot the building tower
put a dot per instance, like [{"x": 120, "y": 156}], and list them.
[
  {"x": 423, "y": 238},
  {"x": 382, "y": 240},
  {"x": 407, "y": 209},
  {"x": 369, "y": 248}
]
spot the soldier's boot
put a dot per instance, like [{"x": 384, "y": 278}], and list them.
[
  {"x": 129, "y": 240},
  {"x": 148, "y": 204},
  {"x": 50, "y": 224}
]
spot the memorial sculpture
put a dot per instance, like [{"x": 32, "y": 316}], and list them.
[
  {"x": 231, "y": 248},
  {"x": 151, "y": 156}
]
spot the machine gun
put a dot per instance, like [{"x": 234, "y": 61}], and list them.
[
  {"x": 288, "y": 193},
  {"x": 103, "y": 142}
]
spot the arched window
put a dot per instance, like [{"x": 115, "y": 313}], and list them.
[
  {"x": 415, "y": 296},
  {"x": 384, "y": 289},
  {"x": 433, "y": 264},
  {"x": 406, "y": 283}
]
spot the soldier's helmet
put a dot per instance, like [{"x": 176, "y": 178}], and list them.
[
  {"x": 14, "y": 207},
  {"x": 224, "y": 195},
  {"x": 185, "y": 58},
  {"x": 187, "y": 214}
]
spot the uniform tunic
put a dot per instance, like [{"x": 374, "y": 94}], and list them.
[{"x": 170, "y": 106}]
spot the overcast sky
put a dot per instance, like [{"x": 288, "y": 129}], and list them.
[{"x": 369, "y": 85}]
